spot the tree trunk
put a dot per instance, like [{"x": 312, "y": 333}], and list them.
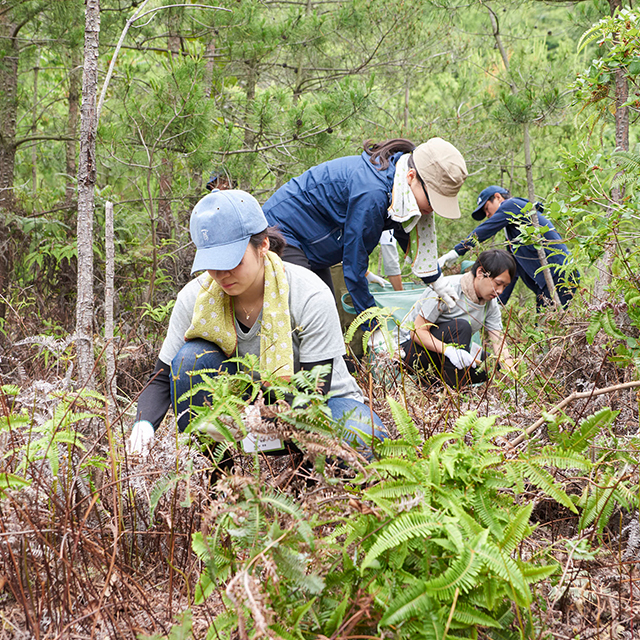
[
  {"x": 34, "y": 128},
  {"x": 542, "y": 256},
  {"x": 165, "y": 179},
  {"x": 72, "y": 127},
  {"x": 9, "y": 53},
  {"x": 86, "y": 185},
  {"x": 208, "y": 69},
  {"x": 526, "y": 140},
  {"x": 605, "y": 263}
]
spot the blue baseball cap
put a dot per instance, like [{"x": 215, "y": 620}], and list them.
[
  {"x": 221, "y": 226},
  {"x": 485, "y": 194}
]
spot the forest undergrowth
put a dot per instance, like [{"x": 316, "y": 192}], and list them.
[{"x": 452, "y": 531}]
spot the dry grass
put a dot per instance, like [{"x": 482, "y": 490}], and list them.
[{"x": 82, "y": 556}]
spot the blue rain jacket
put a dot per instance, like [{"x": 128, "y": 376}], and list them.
[
  {"x": 336, "y": 212},
  {"x": 509, "y": 217}
]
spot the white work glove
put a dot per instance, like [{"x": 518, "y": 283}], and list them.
[
  {"x": 445, "y": 291},
  {"x": 459, "y": 358},
  {"x": 372, "y": 277},
  {"x": 448, "y": 259},
  {"x": 139, "y": 441}
]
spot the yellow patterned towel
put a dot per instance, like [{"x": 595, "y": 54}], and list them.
[
  {"x": 423, "y": 247},
  {"x": 213, "y": 319}
]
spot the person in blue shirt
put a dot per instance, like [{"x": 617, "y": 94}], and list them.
[
  {"x": 503, "y": 211},
  {"x": 336, "y": 211}
]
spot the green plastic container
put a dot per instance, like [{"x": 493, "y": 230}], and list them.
[{"x": 400, "y": 301}]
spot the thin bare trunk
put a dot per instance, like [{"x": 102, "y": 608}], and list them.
[
  {"x": 34, "y": 128},
  {"x": 526, "y": 139},
  {"x": 605, "y": 263},
  {"x": 109, "y": 247},
  {"x": 406, "y": 103},
  {"x": 87, "y": 171},
  {"x": 72, "y": 127},
  {"x": 165, "y": 215},
  {"x": 542, "y": 256},
  {"x": 208, "y": 69},
  {"x": 9, "y": 52}
]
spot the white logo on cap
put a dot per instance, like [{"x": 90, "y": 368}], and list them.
[
  {"x": 205, "y": 234},
  {"x": 479, "y": 200}
]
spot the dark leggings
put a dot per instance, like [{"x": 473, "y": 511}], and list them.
[
  {"x": 298, "y": 256},
  {"x": 456, "y": 332}
]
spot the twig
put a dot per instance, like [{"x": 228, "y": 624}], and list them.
[{"x": 570, "y": 398}]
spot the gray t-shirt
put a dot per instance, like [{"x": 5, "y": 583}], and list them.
[
  {"x": 485, "y": 315},
  {"x": 315, "y": 327}
]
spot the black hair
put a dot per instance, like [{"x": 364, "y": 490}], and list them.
[
  {"x": 277, "y": 243},
  {"x": 380, "y": 152},
  {"x": 506, "y": 195},
  {"x": 494, "y": 262}
]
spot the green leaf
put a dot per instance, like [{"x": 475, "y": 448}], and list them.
[
  {"x": 461, "y": 574},
  {"x": 405, "y": 527},
  {"x": 12, "y": 481},
  {"x": 411, "y": 603}
]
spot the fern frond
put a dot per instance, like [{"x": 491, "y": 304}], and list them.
[
  {"x": 487, "y": 512},
  {"x": 543, "y": 480},
  {"x": 534, "y": 573},
  {"x": 404, "y": 423},
  {"x": 285, "y": 504},
  {"x": 562, "y": 459},
  {"x": 413, "y": 602},
  {"x": 397, "y": 467},
  {"x": 435, "y": 443},
  {"x": 461, "y": 574},
  {"x": 517, "y": 529},
  {"x": 403, "y": 528},
  {"x": 507, "y": 568},
  {"x": 337, "y": 615},
  {"x": 471, "y": 616},
  {"x": 393, "y": 489},
  {"x": 294, "y": 566},
  {"x": 599, "y": 505},
  {"x": 396, "y": 449},
  {"x": 589, "y": 428}
]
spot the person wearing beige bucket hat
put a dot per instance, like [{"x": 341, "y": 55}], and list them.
[{"x": 336, "y": 212}]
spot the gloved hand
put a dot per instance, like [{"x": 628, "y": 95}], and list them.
[
  {"x": 445, "y": 291},
  {"x": 378, "y": 344},
  {"x": 139, "y": 441},
  {"x": 448, "y": 259},
  {"x": 372, "y": 277},
  {"x": 459, "y": 358}
]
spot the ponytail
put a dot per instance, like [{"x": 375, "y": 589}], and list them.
[
  {"x": 277, "y": 242},
  {"x": 380, "y": 152}
]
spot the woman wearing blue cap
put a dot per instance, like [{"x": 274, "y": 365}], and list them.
[
  {"x": 502, "y": 211},
  {"x": 246, "y": 301},
  {"x": 336, "y": 212}
]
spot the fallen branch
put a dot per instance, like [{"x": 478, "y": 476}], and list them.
[{"x": 576, "y": 395}]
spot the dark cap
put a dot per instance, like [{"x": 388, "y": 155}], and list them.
[{"x": 485, "y": 194}]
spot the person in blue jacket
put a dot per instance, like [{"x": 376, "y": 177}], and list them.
[
  {"x": 336, "y": 211},
  {"x": 503, "y": 211}
]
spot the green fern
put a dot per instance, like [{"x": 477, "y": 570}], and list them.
[
  {"x": 461, "y": 574},
  {"x": 517, "y": 529},
  {"x": 544, "y": 481},
  {"x": 403, "y": 528},
  {"x": 404, "y": 423},
  {"x": 470, "y": 616},
  {"x": 413, "y": 602}
]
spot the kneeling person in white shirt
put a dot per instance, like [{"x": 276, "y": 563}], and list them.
[{"x": 441, "y": 337}]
